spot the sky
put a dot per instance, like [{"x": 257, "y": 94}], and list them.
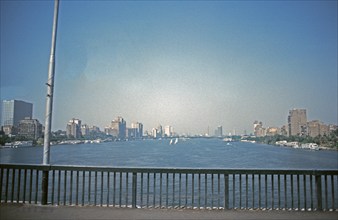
[{"x": 193, "y": 65}]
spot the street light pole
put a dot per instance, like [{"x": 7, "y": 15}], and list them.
[{"x": 49, "y": 106}]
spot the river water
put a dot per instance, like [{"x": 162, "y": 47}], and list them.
[{"x": 187, "y": 153}]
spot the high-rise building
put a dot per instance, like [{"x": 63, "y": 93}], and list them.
[
  {"x": 259, "y": 131},
  {"x": 168, "y": 131},
  {"x": 74, "y": 128},
  {"x": 297, "y": 122},
  {"x": 118, "y": 126},
  {"x": 13, "y": 111},
  {"x": 159, "y": 131},
  {"x": 154, "y": 133},
  {"x": 30, "y": 128},
  {"x": 219, "y": 131},
  {"x": 138, "y": 129},
  {"x": 85, "y": 130}
]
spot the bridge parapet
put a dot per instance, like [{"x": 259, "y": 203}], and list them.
[{"x": 281, "y": 189}]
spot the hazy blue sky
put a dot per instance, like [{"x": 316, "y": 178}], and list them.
[{"x": 187, "y": 64}]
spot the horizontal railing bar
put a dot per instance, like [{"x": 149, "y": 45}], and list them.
[
  {"x": 173, "y": 170},
  {"x": 25, "y": 166}
]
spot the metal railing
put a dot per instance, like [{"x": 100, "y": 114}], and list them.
[{"x": 171, "y": 188}]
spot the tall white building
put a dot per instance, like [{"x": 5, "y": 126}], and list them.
[
  {"x": 219, "y": 131},
  {"x": 168, "y": 131},
  {"x": 74, "y": 128},
  {"x": 154, "y": 133}
]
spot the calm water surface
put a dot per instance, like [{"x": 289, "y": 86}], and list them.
[{"x": 192, "y": 153}]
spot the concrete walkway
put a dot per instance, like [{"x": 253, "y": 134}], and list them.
[{"x": 23, "y": 211}]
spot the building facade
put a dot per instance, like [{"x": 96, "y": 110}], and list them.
[
  {"x": 259, "y": 131},
  {"x": 297, "y": 122},
  {"x": 118, "y": 128},
  {"x": 30, "y": 128},
  {"x": 316, "y": 128},
  {"x": 219, "y": 131},
  {"x": 73, "y": 129},
  {"x": 85, "y": 130},
  {"x": 272, "y": 131},
  {"x": 13, "y": 111},
  {"x": 154, "y": 133},
  {"x": 168, "y": 131},
  {"x": 137, "y": 129}
]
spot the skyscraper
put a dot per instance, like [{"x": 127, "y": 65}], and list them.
[
  {"x": 297, "y": 122},
  {"x": 74, "y": 128},
  {"x": 13, "y": 111},
  {"x": 138, "y": 128},
  {"x": 168, "y": 131},
  {"x": 118, "y": 126}
]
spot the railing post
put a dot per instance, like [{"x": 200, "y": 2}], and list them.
[
  {"x": 44, "y": 196},
  {"x": 319, "y": 192},
  {"x": 226, "y": 191},
  {"x": 134, "y": 189}
]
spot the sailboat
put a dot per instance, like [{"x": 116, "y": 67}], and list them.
[{"x": 173, "y": 141}]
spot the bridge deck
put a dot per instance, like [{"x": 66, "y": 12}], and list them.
[{"x": 24, "y": 211}]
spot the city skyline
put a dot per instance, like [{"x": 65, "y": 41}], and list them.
[{"x": 192, "y": 65}]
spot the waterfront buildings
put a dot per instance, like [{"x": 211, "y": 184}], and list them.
[
  {"x": 136, "y": 130},
  {"x": 297, "y": 126},
  {"x": 168, "y": 131},
  {"x": 316, "y": 128},
  {"x": 15, "y": 110},
  {"x": 154, "y": 133},
  {"x": 272, "y": 131},
  {"x": 73, "y": 129},
  {"x": 284, "y": 130},
  {"x": 117, "y": 128},
  {"x": 259, "y": 131},
  {"x": 85, "y": 130},
  {"x": 30, "y": 129},
  {"x": 219, "y": 131},
  {"x": 159, "y": 131},
  {"x": 297, "y": 122}
]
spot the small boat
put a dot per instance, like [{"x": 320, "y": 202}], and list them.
[
  {"x": 23, "y": 144},
  {"x": 173, "y": 141}
]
